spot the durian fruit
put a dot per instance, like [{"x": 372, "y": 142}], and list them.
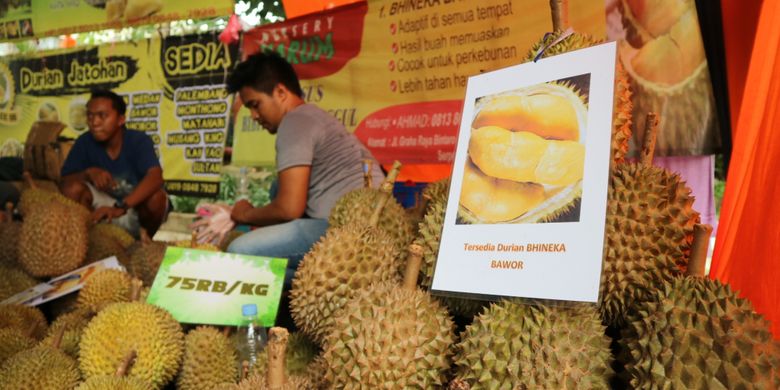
[
  {"x": 665, "y": 59},
  {"x": 34, "y": 196},
  {"x": 107, "y": 239},
  {"x": 71, "y": 325},
  {"x": 119, "y": 380},
  {"x": 514, "y": 345},
  {"x": 622, "y": 110},
  {"x": 232, "y": 235},
  {"x": 428, "y": 238},
  {"x": 347, "y": 259},
  {"x": 390, "y": 337},
  {"x": 696, "y": 333},
  {"x": 53, "y": 240},
  {"x": 145, "y": 258},
  {"x": 13, "y": 281},
  {"x": 649, "y": 233},
  {"x": 299, "y": 354},
  {"x": 26, "y": 319},
  {"x": 209, "y": 359},
  {"x": 275, "y": 377},
  {"x": 12, "y": 341},
  {"x": 358, "y": 206},
  {"x": 9, "y": 237},
  {"x": 104, "y": 288},
  {"x": 151, "y": 331},
  {"x": 44, "y": 367}
]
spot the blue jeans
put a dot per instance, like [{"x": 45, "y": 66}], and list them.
[{"x": 289, "y": 240}]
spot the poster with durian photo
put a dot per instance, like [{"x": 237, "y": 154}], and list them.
[{"x": 527, "y": 205}]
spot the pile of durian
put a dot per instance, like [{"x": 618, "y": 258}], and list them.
[{"x": 366, "y": 320}]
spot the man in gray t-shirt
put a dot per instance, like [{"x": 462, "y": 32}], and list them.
[{"x": 317, "y": 160}]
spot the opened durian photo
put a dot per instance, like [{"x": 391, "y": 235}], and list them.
[{"x": 527, "y": 155}]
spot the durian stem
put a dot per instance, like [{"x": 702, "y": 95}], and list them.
[
  {"x": 31, "y": 330},
  {"x": 244, "y": 370},
  {"x": 277, "y": 347},
  {"x": 368, "y": 165},
  {"x": 124, "y": 367},
  {"x": 9, "y": 211},
  {"x": 29, "y": 179},
  {"x": 58, "y": 338},
  {"x": 413, "y": 263},
  {"x": 135, "y": 289},
  {"x": 145, "y": 239},
  {"x": 701, "y": 243},
  {"x": 560, "y": 14},
  {"x": 194, "y": 240},
  {"x": 387, "y": 192},
  {"x": 648, "y": 146},
  {"x": 226, "y": 331}
]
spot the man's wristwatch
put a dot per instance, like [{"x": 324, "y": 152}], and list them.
[{"x": 120, "y": 204}]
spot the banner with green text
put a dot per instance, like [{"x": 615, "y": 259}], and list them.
[
  {"x": 174, "y": 88},
  {"x": 57, "y": 17},
  {"x": 394, "y": 72}
]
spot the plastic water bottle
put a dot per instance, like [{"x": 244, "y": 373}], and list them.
[
  {"x": 242, "y": 189},
  {"x": 251, "y": 336}
]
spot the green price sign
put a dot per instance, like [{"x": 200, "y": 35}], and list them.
[{"x": 203, "y": 287}]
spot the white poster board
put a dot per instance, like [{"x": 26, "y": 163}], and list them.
[{"x": 527, "y": 204}]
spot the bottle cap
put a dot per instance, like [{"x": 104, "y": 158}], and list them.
[{"x": 249, "y": 309}]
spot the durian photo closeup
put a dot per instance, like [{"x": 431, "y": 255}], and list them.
[{"x": 526, "y": 155}]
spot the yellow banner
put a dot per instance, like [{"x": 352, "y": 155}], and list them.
[
  {"x": 395, "y": 72},
  {"x": 16, "y": 20},
  {"x": 57, "y": 17},
  {"x": 174, "y": 89}
]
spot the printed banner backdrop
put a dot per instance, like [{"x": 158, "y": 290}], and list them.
[
  {"x": 395, "y": 72},
  {"x": 57, "y": 17},
  {"x": 16, "y": 20},
  {"x": 174, "y": 89}
]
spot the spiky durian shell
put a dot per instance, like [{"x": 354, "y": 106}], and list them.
[
  {"x": 145, "y": 260},
  {"x": 104, "y": 288},
  {"x": 209, "y": 359},
  {"x": 31, "y": 198},
  {"x": 53, "y": 240},
  {"x": 299, "y": 354},
  {"x": 27, "y": 319},
  {"x": 513, "y": 345},
  {"x": 358, "y": 205},
  {"x": 695, "y": 333},
  {"x": 14, "y": 280},
  {"x": 205, "y": 246},
  {"x": 389, "y": 337},
  {"x": 622, "y": 111},
  {"x": 105, "y": 382},
  {"x": 232, "y": 235},
  {"x": 437, "y": 191},
  {"x": 107, "y": 239},
  {"x": 429, "y": 237},
  {"x": 258, "y": 382},
  {"x": 315, "y": 371},
  {"x": 12, "y": 341},
  {"x": 149, "y": 330},
  {"x": 74, "y": 324},
  {"x": 40, "y": 368},
  {"x": 345, "y": 260},
  {"x": 649, "y": 231},
  {"x": 9, "y": 239}
]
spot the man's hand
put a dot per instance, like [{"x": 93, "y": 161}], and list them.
[
  {"x": 107, "y": 213},
  {"x": 100, "y": 178},
  {"x": 239, "y": 211}
]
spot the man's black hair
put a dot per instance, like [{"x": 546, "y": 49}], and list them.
[
  {"x": 117, "y": 101},
  {"x": 263, "y": 72}
]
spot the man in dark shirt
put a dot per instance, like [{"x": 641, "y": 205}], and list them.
[{"x": 115, "y": 171}]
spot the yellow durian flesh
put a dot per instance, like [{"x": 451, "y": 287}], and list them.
[
  {"x": 549, "y": 116},
  {"x": 496, "y": 200}
]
